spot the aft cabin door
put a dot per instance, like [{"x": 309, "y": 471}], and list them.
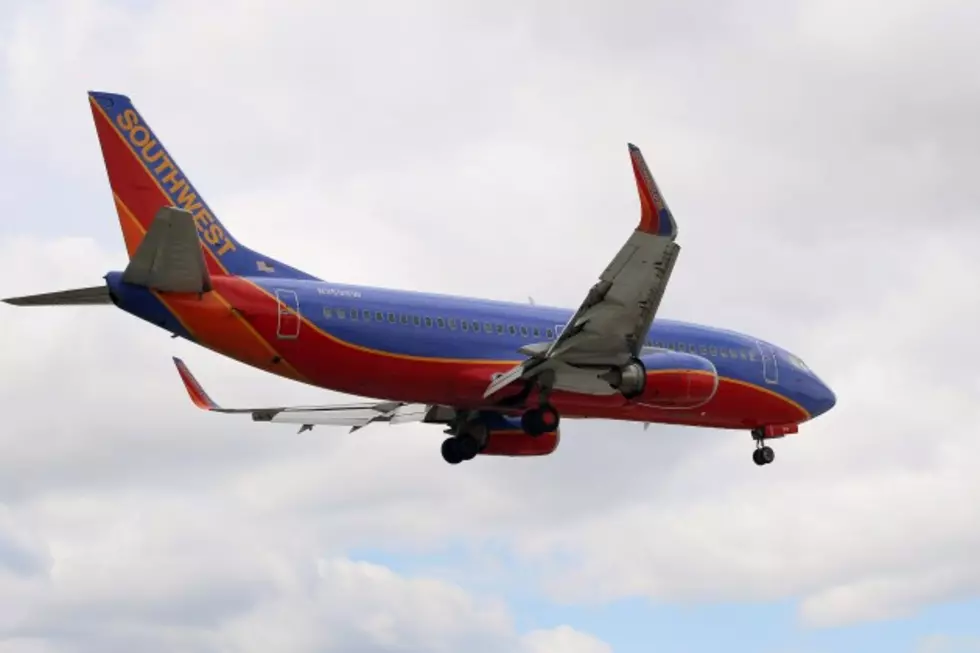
[
  {"x": 769, "y": 370},
  {"x": 288, "y": 323}
]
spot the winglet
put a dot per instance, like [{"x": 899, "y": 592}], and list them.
[
  {"x": 194, "y": 389},
  {"x": 655, "y": 216}
]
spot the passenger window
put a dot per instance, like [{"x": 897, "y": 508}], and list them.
[
  {"x": 416, "y": 320},
  {"x": 704, "y": 350},
  {"x": 488, "y": 327},
  {"x": 476, "y": 325},
  {"x": 392, "y": 318},
  {"x": 367, "y": 315},
  {"x": 379, "y": 316},
  {"x": 537, "y": 332},
  {"x": 733, "y": 352},
  {"x": 751, "y": 354},
  {"x": 500, "y": 329},
  {"x": 452, "y": 324},
  {"x": 341, "y": 314},
  {"x": 691, "y": 347},
  {"x": 428, "y": 321},
  {"x": 524, "y": 331},
  {"x": 723, "y": 352},
  {"x": 744, "y": 355},
  {"x": 441, "y": 322},
  {"x": 465, "y": 324},
  {"x": 512, "y": 330},
  {"x": 355, "y": 314},
  {"x": 405, "y": 319},
  {"x": 550, "y": 333},
  {"x": 713, "y": 350},
  {"x": 327, "y": 313}
]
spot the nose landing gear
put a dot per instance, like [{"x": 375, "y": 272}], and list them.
[{"x": 763, "y": 454}]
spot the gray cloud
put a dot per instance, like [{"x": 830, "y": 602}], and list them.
[{"x": 818, "y": 156}]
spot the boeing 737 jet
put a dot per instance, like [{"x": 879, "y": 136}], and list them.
[{"x": 498, "y": 376}]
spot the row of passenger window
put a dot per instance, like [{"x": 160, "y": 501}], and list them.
[
  {"x": 476, "y": 326},
  {"x": 708, "y": 350},
  {"x": 451, "y": 323}
]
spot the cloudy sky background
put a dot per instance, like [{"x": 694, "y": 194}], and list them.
[{"x": 819, "y": 157}]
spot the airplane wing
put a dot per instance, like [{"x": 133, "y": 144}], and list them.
[
  {"x": 610, "y": 326},
  {"x": 357, "y": 416}
]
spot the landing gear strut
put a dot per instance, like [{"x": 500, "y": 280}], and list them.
[
  {"x": 544, "y": 418},
  {"x": 763, "y": 454}
]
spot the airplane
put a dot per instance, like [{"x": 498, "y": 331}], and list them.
[{"x": 499, "y": 377}]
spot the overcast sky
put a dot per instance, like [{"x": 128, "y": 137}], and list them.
[{"x": 820, "y": 159}]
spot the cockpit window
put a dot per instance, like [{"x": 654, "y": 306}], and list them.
[{"x": 797, "y": 362}]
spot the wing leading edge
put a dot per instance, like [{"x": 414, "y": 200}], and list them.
[{"x": 357, "y": 416}]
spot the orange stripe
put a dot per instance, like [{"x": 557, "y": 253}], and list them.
[
  {"x": 194, "y": 389},
  {"x": 212, "y": 323},
  {"x": 190, "y": 313}
]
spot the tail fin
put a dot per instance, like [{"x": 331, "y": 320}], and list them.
[{"x": 145, "y": 178}]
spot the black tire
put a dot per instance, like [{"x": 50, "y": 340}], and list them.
[
  {"x": 467, "y": 447},
  {"x": 549, "y": 418},
  {"x": 451, "y": 452},
  {"x": 757, "y": 457},
  {"x": 767, "y": 455},
  {"x": 538, "y": 421}
]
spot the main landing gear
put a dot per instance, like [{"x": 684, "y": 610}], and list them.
[
  {"x": 458, "y": 448},
  {"x": 469, "y": 436},
  {"x": 763, "y": 454},
  {"x": 540, "y": 420}
]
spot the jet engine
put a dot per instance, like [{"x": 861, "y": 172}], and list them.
[{"x": 666, "y": 379}]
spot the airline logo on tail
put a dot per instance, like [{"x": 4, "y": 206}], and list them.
[{"x": 170, "y": 178}]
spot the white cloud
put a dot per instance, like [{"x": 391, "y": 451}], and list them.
[
  {"x": 565, "y": 639},
  {"x": 821, "y": 206},
  {"x": 949, "y": 644}
]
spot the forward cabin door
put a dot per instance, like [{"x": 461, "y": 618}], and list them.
[
  {"x": 770, "y": 372},
  {"x": 288, "y": 320}
]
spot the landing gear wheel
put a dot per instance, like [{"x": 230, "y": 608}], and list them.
[
  {"x": 457, "y": 449},
  {"x": 450, "y": 453},
  {"x": 763, "y": 456},
  {"x": 541, "y": 420}
]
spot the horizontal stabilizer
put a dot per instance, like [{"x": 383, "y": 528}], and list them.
[
  {"x": 170, "y": 258},
  {"x": 77, "y": 297}
]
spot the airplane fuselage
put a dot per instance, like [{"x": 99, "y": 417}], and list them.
[{"x": 438, "y": 349}]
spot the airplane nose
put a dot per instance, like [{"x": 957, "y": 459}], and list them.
[{"x": 823, "y": 397}]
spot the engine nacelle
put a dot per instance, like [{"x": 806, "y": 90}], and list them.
[
  {"x": 630, "y": 379},
  {"x": 505, "y": 437},
  {"x": 671, "y": 379}
]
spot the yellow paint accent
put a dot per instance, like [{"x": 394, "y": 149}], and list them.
[{"x": 225, "y": 302}]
